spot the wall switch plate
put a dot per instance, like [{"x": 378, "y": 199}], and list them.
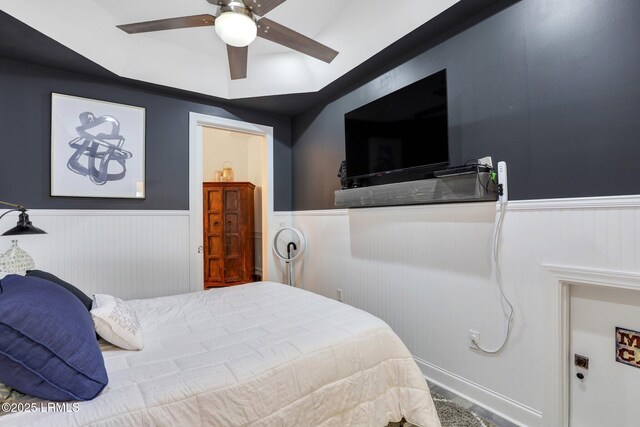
[
  {"x": 339, "y": 294},
  {"x": 474, "y": 335}
]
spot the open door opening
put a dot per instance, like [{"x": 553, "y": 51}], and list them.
[
  {"x": 199, "y": 124},
  {"x": 233, "y": 179}
]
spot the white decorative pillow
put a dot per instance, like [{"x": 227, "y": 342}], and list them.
[{"x": 116, "y": 322}]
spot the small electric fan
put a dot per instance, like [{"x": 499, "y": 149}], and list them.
[{"x": 288, "y": 246}]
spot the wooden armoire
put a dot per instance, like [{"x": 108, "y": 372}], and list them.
[{"x": 228, "y": 233}]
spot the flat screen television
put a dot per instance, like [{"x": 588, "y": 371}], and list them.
[{"x": 406, "y": 130}]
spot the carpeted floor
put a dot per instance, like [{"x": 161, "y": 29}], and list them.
[{"x": 452, "y": 415}]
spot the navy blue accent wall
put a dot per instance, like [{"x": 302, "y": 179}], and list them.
[
  {"x": 550, "y": 86},
  {"x": 25, "y": 121}
]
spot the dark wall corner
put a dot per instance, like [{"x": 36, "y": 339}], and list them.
[{"x": 553, "y": 88}]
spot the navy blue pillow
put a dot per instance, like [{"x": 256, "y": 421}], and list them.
[
  {"x": 48, "y": 347},
  {"x": 68, "y": 286}
]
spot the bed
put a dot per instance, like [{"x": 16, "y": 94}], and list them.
[{"x": 261, "y": 354}]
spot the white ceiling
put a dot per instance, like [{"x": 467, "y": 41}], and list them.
[{"x": 195, "y": 59}]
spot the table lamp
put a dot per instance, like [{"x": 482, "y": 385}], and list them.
[{"x": 16, "y": 260}]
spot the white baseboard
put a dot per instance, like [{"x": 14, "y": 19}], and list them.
[{"x": 500, "y": 405}]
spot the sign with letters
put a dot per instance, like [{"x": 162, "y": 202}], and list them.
[{"x": 628, "y": 347}]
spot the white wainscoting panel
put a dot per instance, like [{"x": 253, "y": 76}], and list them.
[
  {"x": 128, "y": 254},
  {"x": 427, "y": 271}
]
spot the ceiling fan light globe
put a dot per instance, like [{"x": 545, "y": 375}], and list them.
[{"x": 236, "y": 29}]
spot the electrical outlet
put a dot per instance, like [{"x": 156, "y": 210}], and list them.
[
  {"x": 474, "y": 338},
  {"x": 339, "y": 294}
]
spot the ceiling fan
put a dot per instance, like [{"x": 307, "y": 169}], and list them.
[{"x": 237, "y": 24}]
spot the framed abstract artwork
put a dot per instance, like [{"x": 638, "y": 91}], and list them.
[{"x": 97, "y": 148}]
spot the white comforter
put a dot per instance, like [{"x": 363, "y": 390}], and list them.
[{"x": 262, "y": 354}]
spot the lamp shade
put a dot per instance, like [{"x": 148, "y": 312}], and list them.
[
  {"x": 236, "y": 29},
  {"x": 24, "y": 226}
]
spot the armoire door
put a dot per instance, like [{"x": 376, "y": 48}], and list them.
[
  {"x": 228, "y": 233},
  {"x": 213, "y": 236},
  {"x": 233, "y": 260}
]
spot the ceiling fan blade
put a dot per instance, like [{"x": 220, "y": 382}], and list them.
[
  {"x": 262, "y": 7},
  {"x": 237, "y": 61},
  {"x": 280, "y": 34},
  {"x": 169, "y": 24}
]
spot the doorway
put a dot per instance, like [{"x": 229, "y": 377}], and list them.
[
  {"x": 199, "y": 126},
  {"x": 235, "y": 157},
  {"x": 604, "y": 381},
  {"x": 583, "y": 309}
]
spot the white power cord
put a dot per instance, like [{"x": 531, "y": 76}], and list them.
[{"x": 498, "y": 271}]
